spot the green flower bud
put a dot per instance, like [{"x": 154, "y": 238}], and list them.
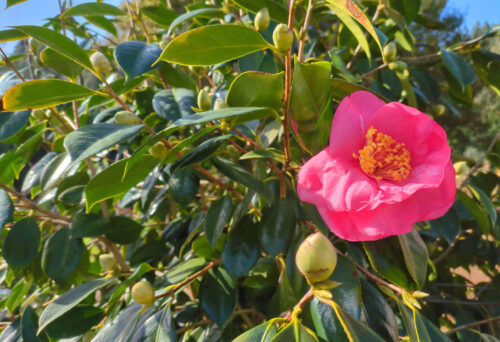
[
  {"x": 316, "y": 258},
  {"x": 398, "y": 66},
  {"x": 126, "y": 118},
  {"x": 107, "y": 261},
  {"x": 158, "y": 150},
  {"x": 100, "y": 64},
  {"x": 143, "y": 293},
  {"x": 390, "y": 52},
  {"x": 33, "y": 45},
  {"x": 204, "y": 100},
  {"x": 38, "y": 114},
  {"x": 220, "y": 104},
  {"x": 282, "y": 37},
  {"x": 438, "y": 109},
  {"x": 262, "y": 20},
  {"x": 461, "y": 168}
]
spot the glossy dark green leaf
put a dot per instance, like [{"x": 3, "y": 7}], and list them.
[
  {"x": 12, "y": 333},
  {"x": 236, "y": 115},
  {"x": 136, "y": 58},
  {"x": 70, "y": 299},
  {"x": 294, "y": 332},
  {"x": 159, "y": 15},
  {"x": 218, "y": 216},
  {"x": 256, "y": 89},
  {"x": 209, "y": 12},
  {"x": 103, "y": 23},
  {"x": 278, "y": 225},
  {"x": 29, "y": 326},
  {"x": 486, "y": 203},
  {"x": 75, "y": 322},
  {"x": 349, "y": 21},
  {"x": 218, "y": 295},
  {"x": 166, "y": 106},
  {"x": 409, "y": 8},
  {"x": 21, "y": 243},
  {"x": 358, "y": 331},
  {"x": 387, "y": 259},
  {"x": 157, "y": 328},
  {"x": 184, "y": 185},
  {"x": 123, "y": 230},
  {"x": 420, "y": 328},
  {"x": 88, "y": 225},
  {"x": 42, "y": 94},
  {"x": 177, "y": 76},
  {"x": 92, "y": 8},
  {"x": 242, "y": 176},
  {"x": 91, "y": 139},
  {"x": 122, "y": 324},
  {"x": 276, "y": 9},
  {"x": 478, "y": 213},
  {"x": 58, "y": 62},
  {"x": 55, "y": 170},
  {"x": 59, "y": 42},
  {"x": 34, "y": 174},
  {"x": 415, "y": 255},
  {"x": 447, "y": 226},
  {"x": 459, "y": 67},
  {"x": 11, "y": 123},
  {"x": 184, "y": 269},
  {"x": 487, "y": 66},
  {"x": 61, "y": 255},
  {"x": 201, "y": 152},
  {"x": 6, "y": 208},
  {"x": 261, "y": 333},
  {"x": 348, "y": 294},
  {"x": 213, "y": 44},
  {"x": 242, "y": 248},
  {"x": 326, "y": 323}
]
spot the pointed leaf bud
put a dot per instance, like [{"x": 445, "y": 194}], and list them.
[
  {"x": 438, "y": 109},
  {"x": 107, "y": 261},
  {"x": 282, "y": 37},
  {"x": 390, "y": 52},
  {"x": 204, "y": 100},
  {"x": 158, "y": 150},
  {"x": 126, "y": 118},
  {"x": 100, "y": 64},
  {"x": 143, "y": 293},
  {"x": 262, "y": 20},
  {"x": 220, "y": 104},
  {"x": 316, "y": 258}
]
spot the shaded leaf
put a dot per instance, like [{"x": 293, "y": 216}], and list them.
[
  {"x": 21, "y": 243},
  {"x": 136, "y": 58},
  {"x": 11, "y": 123},
  {"x": 6, "y": 208},
  {"x": 218, "y": 216},
  {"x": 218, "y": 295},
  {"x": 92, "y": 8},
  {"x": 458, "y": 67}
]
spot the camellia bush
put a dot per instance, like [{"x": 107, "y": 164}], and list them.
[{"x": 250, "y": 170}]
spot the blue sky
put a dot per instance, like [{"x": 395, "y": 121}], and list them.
[{"x": 32, "y": 12}]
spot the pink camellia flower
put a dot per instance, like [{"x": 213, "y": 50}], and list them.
[{"x": 387, "y": 167}]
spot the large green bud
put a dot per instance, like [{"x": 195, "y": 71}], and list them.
[
  {"x": 107, "y": 262},
  {"x": 390, "y": 52},
  {"x": 158, "y": 150},
  {"x": 316, "y": 258},
  {"x": 262, "y": 20},
  {"x": 100, "y": 64},
  {"x": 126, "y": 118},
  {"x": 143, "y": 293},
  {"x": 204, "y": 100},
  {"x": 282, "y": 37},
  {"x": 220, "y": 104}
]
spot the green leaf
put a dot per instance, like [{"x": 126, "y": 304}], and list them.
[
  {"x": 92, "y": 8},
  {"x": 242, "y": 248},
  {"x": 294, "y": 332},
  {"x": 184, "y": 269},
  {"x": 201, "y": 152},
  {"x": 13, "y": 2},
  {"x": 103, "y": 23},
  {"x": 136, "y": 58},
  {"x": 92, "y": 139},
  {"x": 184, "y": 185},
  {"x": 159, "y": 15},
  {"x": 487, "y": 66},
  {"x": 409, "y": 8},
  {"x": 157, "y": 328},
  {"x": 218, "y": 295},
  {"x": 58, "y": 62},
  {"x": 69, "y": 300},
  {"x": 357, "y": 330},
  {"x": 111, "y": 182},
  {"x": 42, "y": 94},
  {"x": 29, "y": 326},
  {"x": 88, "y": 225},
  {"x": 61, "y": 255},
  {"x": 214, "y": 44},
  {"x": 75, "y": 322},
  {"x": 123, "y": 230},
  {"x": 478, "y": 213},
  {"x": 122, "y": 324},
  {"x": 237, "y": 115},
  {"x": 387, "y": 259},
  {"x": 11, "y": 123},
  {"x": 256, "y": 89},
  {"x": 11, "y": 35},
  {"x": 177, "y": 77},
  {"x": 242, "y": 176},
  {"x": 419, "y": 328},
  {"x": 341, "y": 89},
  {"x": 6, "y": 208},
  {"x": 165, "y": 105},
  {"x": 486, "y": 203},
  {"x": 278, "y": 225},
  {"x": 261, "y": 333},
  {"x": 326, "y": 323},
  {"x": 276, "y": 10},
  {"x": 59, "y": 42},
  {"x": 218, "y": 216},
  {"x": 458, "y": 67},
  {"x": 210, "y": 12},
  {"x": 21, "y": 243},
  {"x": 348, "y": 20},
  {"x": 415, "y": 255}
]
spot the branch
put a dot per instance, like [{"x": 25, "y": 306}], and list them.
[
  {"x": 471, "y": 325},
  {"x": 300, "y": 305},
  {"x": 303, "y": 32}
]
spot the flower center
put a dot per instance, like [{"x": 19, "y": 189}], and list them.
[{"x": 383, "y": 157}]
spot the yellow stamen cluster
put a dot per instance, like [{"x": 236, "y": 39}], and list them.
[{"x": 383, "y": 157}]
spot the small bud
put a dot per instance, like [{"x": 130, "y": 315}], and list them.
[
  {"x": 204, "y": 100},
  {"x": 38, "y": 114},
  {"x": 390, "y": 52},
  {"x": 158, "y": 150},
  {"x": 282, "y": 37},
  {"x": 33, "y": 45},
  {"x": 461, "y": 168},
  {"x": 100, "y": 64},
  {"x": 262, "y": 19},
  {"x": 316, "y": 258},
  {"x": 220, "y": 104},
  {"x": 438, "y": 109},
  {"x": 126, "y": 118},
  {"x": 107, "y": 262},
  {"x": 143, "y": 293},
  {"x": 420, "y": 294},
  {"x": 398, "y": 66}
]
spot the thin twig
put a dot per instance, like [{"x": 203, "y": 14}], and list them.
[
  {"x": 380, "y": 67},
  {"x": 303, "y": 32},
  {"x": 131, "y": 20},
  {"x": 471, "y": 325},
  {"x": 300, "y": 305},
  {"x": 10, "y": 65}
]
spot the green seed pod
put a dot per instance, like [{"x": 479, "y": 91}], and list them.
[
  {"x": 282, "y": 37},
  {"x": 204, "y": 100},
  {"x": 100, "y": 64},
  {"x": 34, "y": 45},
  {"x": 398, "y": 66},
  {"x": 107, "y": 261},
  {"x": 390, "y": 52},
  {"x": 220, "y": 104},
  {"x": 126, "y": 118},
  {"x": 38, "y": 114},
  {"x": 262, "y": 20},
  {"x": 316, "y": 258},
  {"x": 438, "y": 109},
  {"x": 158, "y": 150},
  {"x": 143, "y": 293}
]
